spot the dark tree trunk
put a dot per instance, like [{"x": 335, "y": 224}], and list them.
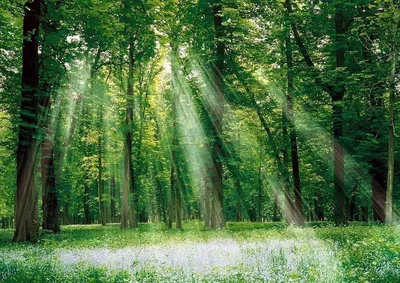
[
  {"x": 49, "y": 190},
  {"x": 352, "y": 206},
  {"x": 128, "y": 196},
  {"x": 178, "y": 206},
  {"x": 364, "y": 213},
  {"x": 284, "y": 175},
  {"x": 391, "y": 128},
  {"x": 113, "y": 206},
  {"x": 100, "y": 183},
  {"x": 217, "y": 210},
  {"x": 26, "y": 221},
  {"x": 207, "y": 206},
  {"x": 175, "y": 168},
  {"x": 298, "y": 203},
  {"x": 238, "y": 187},
  {"x": 171, "y": 217},
  {"x": 260, "y": 189},
  {"x": 337, "y": 112},
  {"x": 318, "y": 208},
  {"x": 65, "y": 214},
  {"x": 378, "y": 176},
  {"x": 102, "y": 217}
]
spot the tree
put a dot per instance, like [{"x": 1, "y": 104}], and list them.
[
  {"x": 392, "y": 101},
  {"x": 26, "y": 221}
]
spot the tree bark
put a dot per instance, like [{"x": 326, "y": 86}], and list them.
[
  {"x": 217, "y": 108},
  {"x": 337, "y": 112},
  {"x": 113, "y": 206},
  {"x": 100, "y": 177},
  {"x": 49, "y": 190},
  {"x": 207, "y": 206},
  {"x": 391, "y": 143},
  {"x": 298, "y": 203},
  {"x": 175, "y": 168},
  {"x": 171, "y": 217},
  {"x": 26, "y": 222},
  {"x": 128, "y": 196}
]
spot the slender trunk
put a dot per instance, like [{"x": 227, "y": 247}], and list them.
[
  {"x": 160, "y": 199},
  {"x": 175, "y": 168},
  {"x": 391, "y": 144},
  {"x": 238, "y": 187},
  {"x": 284, "y": 174},
  {"x": 337, "y": 116},
  {"x": 26, "y": 222},
  {"x": 259, "y": 197},
  {"x": 65, "y": 214},
  {"x": 102, "y": 217},
  {"x": 319, "y": 214},
  {"x": 298, "y": 203},
  {"x": 128, "y": 195},
  {"x": 49, "y": 190},
  {"x": 113, "y": 206},
  {"x": 178, "y": 205},
  {"x": 352, "y": 206},
  {"x": 217, "y": 110},
  {"x": 171, "y": 198},
  {"x": 207, "y": 207}
]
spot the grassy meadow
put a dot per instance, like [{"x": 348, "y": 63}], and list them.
[{"x": 243, "y": 252}]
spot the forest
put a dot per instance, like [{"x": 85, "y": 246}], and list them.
[{"x": 261, "y": 134}]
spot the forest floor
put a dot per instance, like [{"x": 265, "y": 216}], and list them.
[{"x": 243, "y": 252}]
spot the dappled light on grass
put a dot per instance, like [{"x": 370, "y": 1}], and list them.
[
  {"x": 243, "y": 252},
  {"x": 219, "y": 259}
]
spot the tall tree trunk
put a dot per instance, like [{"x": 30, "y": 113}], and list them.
[
  {"x": 49, "y": 190},
  {"x": 337, "y": 112},
  {"x": 26, "y": 222},
  {"x": 298, "y": 203},
  {"x": 391, "y": 144},
  {"x": 65, "y": 214},
  {"x": 171, "y": 198},
  {"x": 178, "y": 203},
  {"x": 102, "y": 219},
  {"x": 217, "y": 109},
  {"x": 175, "y": 168},
  {"x": 207, "y": 206},
  {"x": 113, "y": 206},
  {"x": 260, "y": 189},
  {"x": 318, "y": 211},
  {"x": 128, "y": 196},
  {"x": 284, "y": 174},
  {"x": 276, "y": 211}
]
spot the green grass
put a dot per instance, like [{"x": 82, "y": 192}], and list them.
[{"x": 265, "y": 251}]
